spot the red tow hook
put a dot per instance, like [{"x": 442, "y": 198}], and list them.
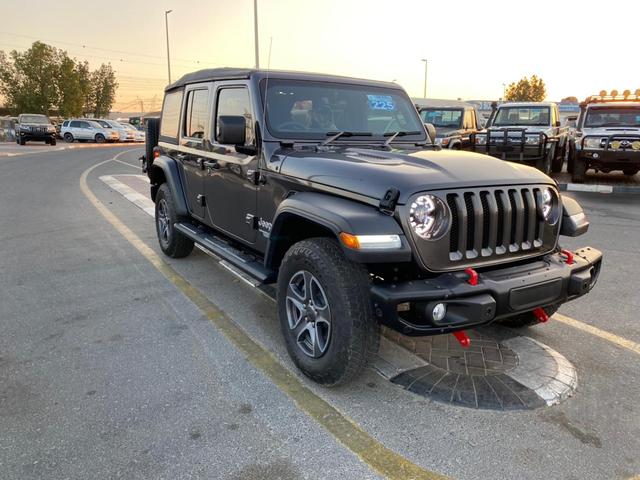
[
  {"x": 463, "y": 338},
  {"x": 541, "y": 315},
  {"x": 569, "y": 256},
  {"x": 473, "y": 277}
]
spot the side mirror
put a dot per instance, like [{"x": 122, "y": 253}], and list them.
[
  {"x": 231, "y": 130},
  {"x": 574, "y": 221},
  {"x": 431, "y": 131}
]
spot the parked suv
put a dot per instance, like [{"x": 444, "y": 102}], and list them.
[
  {"x": 36, "y": 127},
  {"x": 607, "y": 136},
  {"x": 124, "y": 135},
  {"x": 84, "y": 130},
  {"x": 525, "y": 132},
  {"x": 454, "y": 123},
  {"x": 331, "y": 189}
]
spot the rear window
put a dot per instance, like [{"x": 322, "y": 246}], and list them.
[
  {"x": 196, "y": 116},
  {"x": 171, "y": 114}
]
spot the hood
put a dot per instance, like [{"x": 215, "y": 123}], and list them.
[
  {"x": 529, "y": 129},
  {"x": 442, "y": 132},
  {"x": 372, "y": 172}
]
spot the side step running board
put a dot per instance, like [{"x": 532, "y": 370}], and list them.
[{"x": 239, "y": 259}]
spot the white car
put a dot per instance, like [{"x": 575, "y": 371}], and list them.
[
  {"x": 73, "y": 130},
  {"x": 138, "y": 135},
  {"x": 123, "y": 132}
]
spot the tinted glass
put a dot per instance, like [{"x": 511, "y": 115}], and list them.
[
  {"x": 235, "y": 101},
  {"x": 532, "y": 116},
  {"x": 313, "y": 110},
  {"x": 103, "y": 123},
  {"x": 196, "y": 116},
  {"x": 171, "y": 114},
  {"x": 442, "y": 118},
  {"x": 604, "y": 117},
  {"x": 41, "y": 119},
  {"x": 65, "y": 123}
]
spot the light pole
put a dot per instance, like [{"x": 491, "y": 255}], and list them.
[
  {"x": 255, "y": 31},
  {"x": 424, "y": 93},
  {"x": 166, "y": 24}
]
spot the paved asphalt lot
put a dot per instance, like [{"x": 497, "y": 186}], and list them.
[{"x": 108, "y": 371}]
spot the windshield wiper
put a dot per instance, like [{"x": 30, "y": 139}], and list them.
[
  {"x": 393, "y": 135},
  {"x": 336, "y": 135}
]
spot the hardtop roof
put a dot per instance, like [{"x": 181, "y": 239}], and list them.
[{"x": 227, "y": 73}]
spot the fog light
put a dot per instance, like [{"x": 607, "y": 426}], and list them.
[{"x": 439, "y": 311}]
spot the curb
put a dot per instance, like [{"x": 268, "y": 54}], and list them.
[{"x": 599, "y": 188}]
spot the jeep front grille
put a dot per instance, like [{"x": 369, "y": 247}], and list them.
[{"x": 489, "y": 226}]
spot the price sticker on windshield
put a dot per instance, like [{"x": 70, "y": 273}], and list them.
[{"x": 381, "y": 102}]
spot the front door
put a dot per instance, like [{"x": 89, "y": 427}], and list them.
[
  {"x": 230, "y": 177},
  {"x": 192, "y": 135}
]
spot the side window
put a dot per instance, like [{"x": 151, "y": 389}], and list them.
[
  {"x": 171, "y": 114},
  {"x": 74, "y": 124},
  {"x": 235, "y": 101},
  {"x": 85, "y": 125},
  {"x": 196, "y": 113},
  {"x": 65, "y": 123}
]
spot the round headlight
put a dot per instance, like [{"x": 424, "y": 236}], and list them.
[
  {"x": 429, "y": 217},
  {"x": 549, "y": 209},
  {"x": 532, "y": 139}
]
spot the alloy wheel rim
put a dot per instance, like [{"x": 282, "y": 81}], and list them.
[
  {"x": 164, "y": 231},
  {"x": 308, "y": 314}
]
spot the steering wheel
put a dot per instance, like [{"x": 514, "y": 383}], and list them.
[{"x": 291, "y": 126}]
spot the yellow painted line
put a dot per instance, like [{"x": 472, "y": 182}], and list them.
[
  {"x": 381, "y": 459},
  {"x": 610, "y": 337}
]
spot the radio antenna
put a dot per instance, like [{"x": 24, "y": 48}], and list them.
[{"x": 266, "y": 86}]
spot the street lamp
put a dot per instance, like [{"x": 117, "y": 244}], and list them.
[
  {"x": 166, "y": 24},
  {"x": 255, "y": 31},
  {"x": 424, "y": 94}
]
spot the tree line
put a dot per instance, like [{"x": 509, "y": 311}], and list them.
[{"x": 45, "y": 78}]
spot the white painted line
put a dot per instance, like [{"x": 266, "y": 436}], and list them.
[
  {"x": 580, "y": 187},
  {"x": 139, "y": 200}
]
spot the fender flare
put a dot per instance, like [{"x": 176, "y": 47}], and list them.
[
  {"x": 173, "y": 179},
  {"x": 338, "y": 215}
]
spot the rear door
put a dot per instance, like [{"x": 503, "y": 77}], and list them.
[{"x": 195, "y": 124}]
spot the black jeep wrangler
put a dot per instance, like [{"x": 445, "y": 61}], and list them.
[
  {"x": 331, "y": 188},
  {"x": 36, "y": 127}
]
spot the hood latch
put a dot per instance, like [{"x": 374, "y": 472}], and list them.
[{"x": 388, "y": 203}]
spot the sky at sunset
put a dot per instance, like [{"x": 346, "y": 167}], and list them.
[{"x": 473, "y": 47}]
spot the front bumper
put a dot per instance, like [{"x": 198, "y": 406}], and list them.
[
  {"x": 614, "y": 159},
  {"x": 37, "y": 136},
  {"x": 501, "y": 293}
]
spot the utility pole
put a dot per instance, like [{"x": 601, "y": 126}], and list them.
[
  {"x": 255, "y": 31},
  {"x": 166, "y": 25},
  {"x": 426, "y": 62}
]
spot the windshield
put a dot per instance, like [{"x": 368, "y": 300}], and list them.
[
  {"x": 41, "y": 119},
  {"x": 529, "y": 116},
  {"x": 128, "y": 126},
  {"x": 315, "y": 110},
  {"x": 102, "y": 123},
  {"x": 442, "y": 118},
  {"x": 601, "y": 117},
  {"x": 94, "y": 124}
]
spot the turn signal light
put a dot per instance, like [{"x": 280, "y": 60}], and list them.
[{"x": 350, "y": 241}]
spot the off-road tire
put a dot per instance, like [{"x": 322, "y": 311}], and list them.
[
  {"x": 526, "y": 319},
  {"x": 630, "y": 172},
  {"x": 544, "y": 164},
  {"x": 68, "y": 137},
  {"x": 176, "y": 245},
  {"x": 354, "y": 331},
  {"x": 579, "y": 170},
  {"x": 22, "y": 141},
  {"x": 100, "y": 138},
  {"x": 558, "y": 162},
  {"x": 53, "y": 142}
]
